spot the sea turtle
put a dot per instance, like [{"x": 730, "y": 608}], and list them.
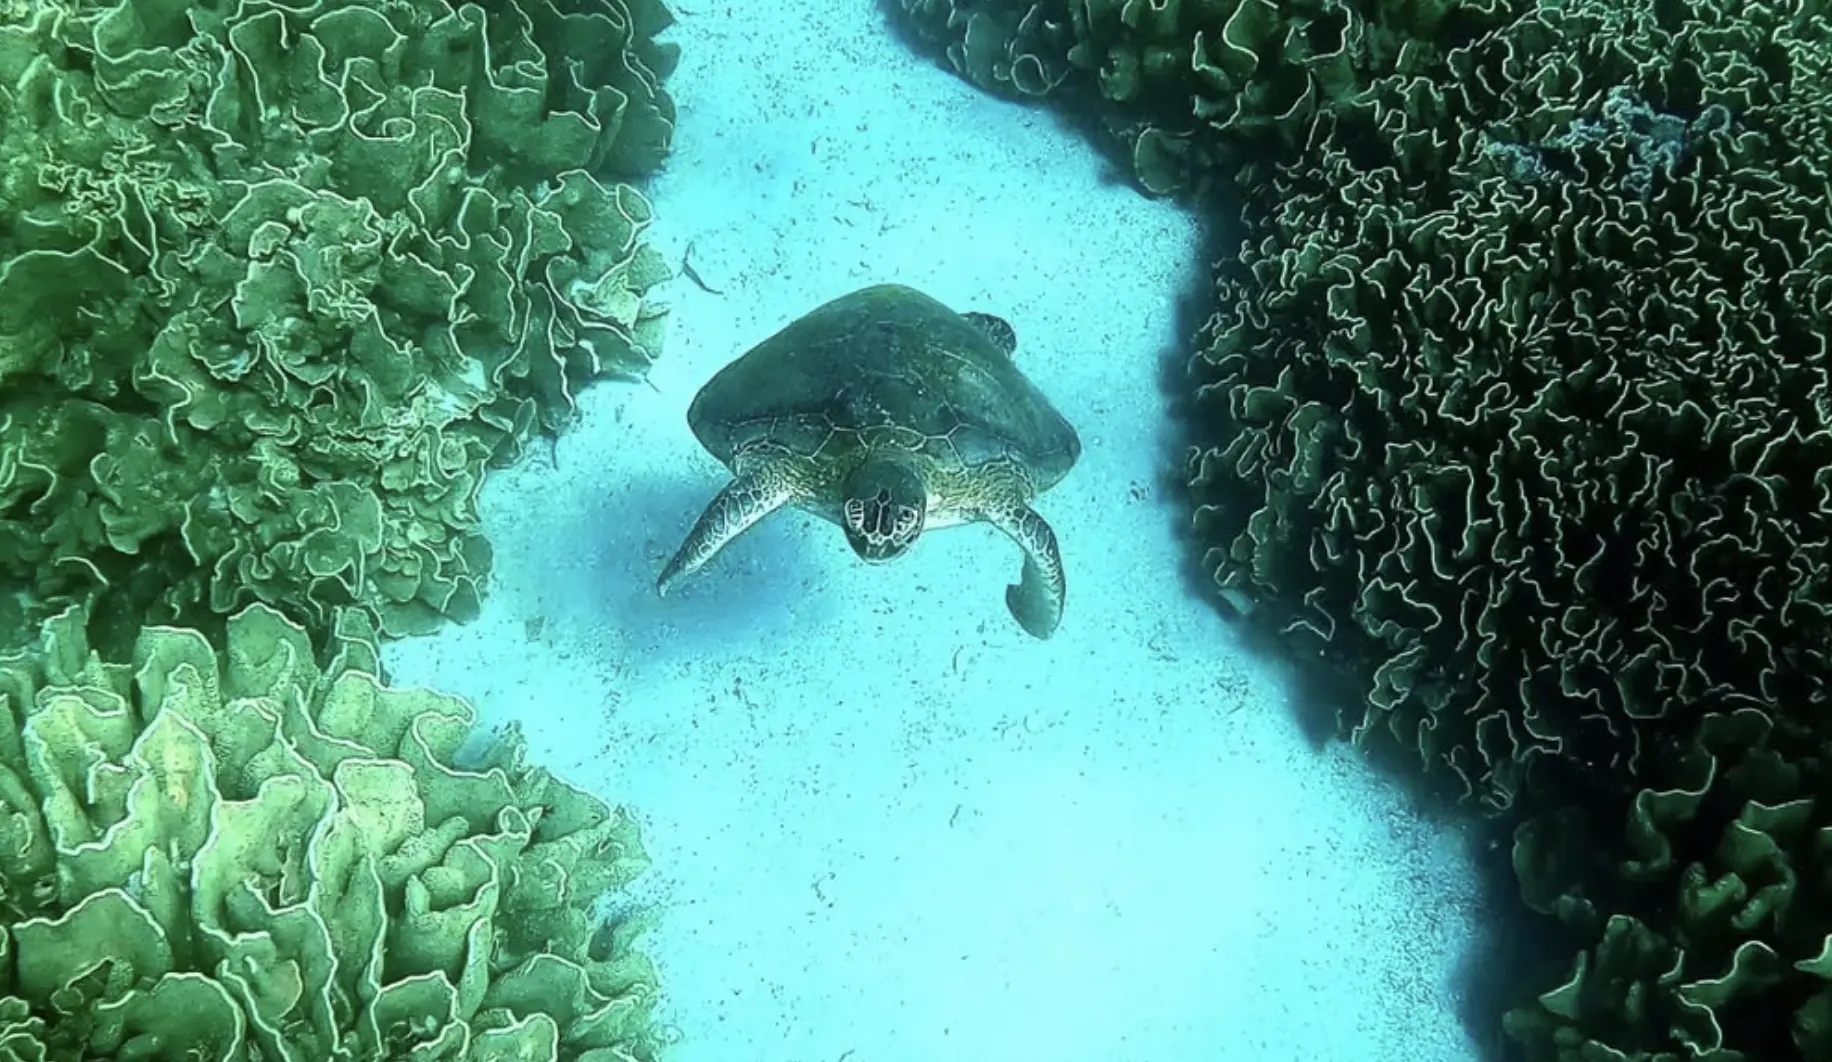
[{"x": 888, "y": 414}]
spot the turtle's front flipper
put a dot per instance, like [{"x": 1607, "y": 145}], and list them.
[
  {"x": 1035, "y": 600},
  {"x": 744, "y": 501}
]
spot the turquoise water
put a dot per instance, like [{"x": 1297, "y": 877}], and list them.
[{"x": 886, "y": 825}]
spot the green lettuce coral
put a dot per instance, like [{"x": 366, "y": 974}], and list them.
[
  {"x": 280, "y": 281},
  {"x": 1706, "y": 930},
  {"x": 1196, "y": 89},
  {"x": 1522, "y": 420},
  {"x": 1537, "y": 438},
  {"x": 245, "y": 855}
]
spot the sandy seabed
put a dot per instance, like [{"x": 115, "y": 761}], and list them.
[{"x": 887, "y": 825}]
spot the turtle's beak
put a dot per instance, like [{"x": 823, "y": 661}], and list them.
[{"x": 879, "y": 552}]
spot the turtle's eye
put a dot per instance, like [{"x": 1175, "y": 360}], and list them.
[
  {"x": 855, "y": 512},
  {"x": 906, "y": 522}
]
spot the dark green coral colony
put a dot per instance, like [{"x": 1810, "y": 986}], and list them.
[
  {"x": 1517, "y": 406},
  {"x": 280, "y": 281}
]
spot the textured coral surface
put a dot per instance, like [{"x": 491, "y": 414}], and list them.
[
  {"x": 239, "y": 855},
  {"x": 280, "y": 281}
]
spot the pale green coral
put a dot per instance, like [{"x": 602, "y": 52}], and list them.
[
  {"x": 280, "y": 281},
  {"x": 250, "y": 856}
]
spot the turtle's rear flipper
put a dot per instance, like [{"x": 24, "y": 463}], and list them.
[
  {"x": 1036, "y": 599},
  {"x": 744, "y": 501}
]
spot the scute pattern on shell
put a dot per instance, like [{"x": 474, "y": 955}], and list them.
[{"x": 886, "y": 365}]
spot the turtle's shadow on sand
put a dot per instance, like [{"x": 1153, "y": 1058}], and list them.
[{"x": 755, "y": 589}]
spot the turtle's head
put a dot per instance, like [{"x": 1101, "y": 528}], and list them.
[{"x": 884, "y": 508}]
